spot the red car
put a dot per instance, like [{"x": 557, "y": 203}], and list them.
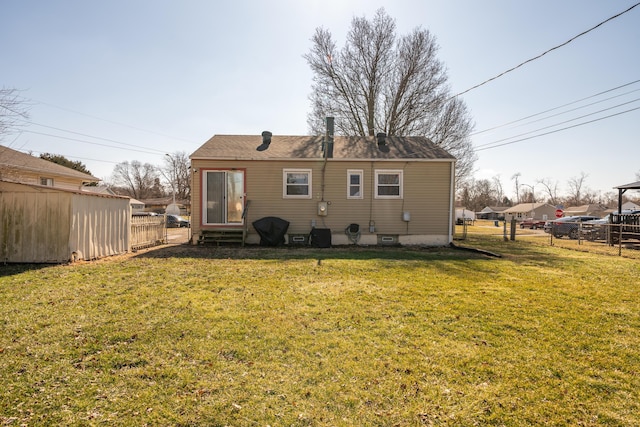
[{"x": 532, "y": 223}]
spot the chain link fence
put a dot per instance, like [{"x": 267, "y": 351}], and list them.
[{"x": 621, "y": 239}]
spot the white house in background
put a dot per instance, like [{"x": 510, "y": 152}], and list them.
[
  {"x": 630, "y": 206},
  {"x": 464, "y": 214}
]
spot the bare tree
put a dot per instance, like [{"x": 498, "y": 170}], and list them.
[
  {"x": 576, "y": 188},
  {"x": 478, "y": 194},
  {"x": 381, "y": 83},
  {"x": 516, "y": 177},
  {"x": 176, "y": 172},
  {"x": 12, "y": 110},
  {"x": 137, "y": 179},
  {"x": 497, "y": 188},
  {"x": 551, "y": 190}
]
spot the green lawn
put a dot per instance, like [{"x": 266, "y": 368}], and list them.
[{"x": 324, "y": 337}]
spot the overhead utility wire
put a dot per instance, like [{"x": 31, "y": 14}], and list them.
[
  {"x": 545, "y": 52},
  {"x": 556, "y": 108},
  {"x": 560, "y": 123},
  {"x": 559, "y": 130},
  {"x": 89, "y": 142},
  {"x": 580, "y": 108},
  {"x": 72, "y": 157},
  {"x": 113, "y": 122},
  {"x": 91, "y": 136}
]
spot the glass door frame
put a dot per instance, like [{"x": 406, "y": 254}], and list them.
[{"x": 240, "y": 197}]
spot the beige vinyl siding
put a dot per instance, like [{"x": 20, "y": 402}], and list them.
[{"x": 426, "y": 195}]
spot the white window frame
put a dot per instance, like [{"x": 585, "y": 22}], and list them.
[
  {"x": 389, "y": 172},
  {"x": 46, "y": 181},
  {"x": 359, "y": 173},
  {"x": 285, "y": 184}
]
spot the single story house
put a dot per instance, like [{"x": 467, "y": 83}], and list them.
[
  {"x": 492, "y": 212},
  {"x": 358, "y": 190},
  {"x": 26, "y": 169},
  {"x": 539, "y": 211},
  {"x": 592, "y": 209},
  {"x": 630, "y": 206},
  {"x": 464, "y": 214}
]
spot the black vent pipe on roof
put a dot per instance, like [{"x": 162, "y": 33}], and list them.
[
  {"x": 266, "y": 140},
  {"x": 382, "y": 142}
]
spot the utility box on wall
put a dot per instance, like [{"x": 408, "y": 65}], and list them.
[{"x": 323, "y": 207}]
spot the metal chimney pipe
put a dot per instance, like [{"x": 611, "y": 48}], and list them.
[{"x": 266, "y": 140}]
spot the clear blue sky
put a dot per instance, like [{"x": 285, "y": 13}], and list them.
[{"x": 155, "y": 77}]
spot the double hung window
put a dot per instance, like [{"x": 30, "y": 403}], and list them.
[
  {"x": 296, "y": 183},
  {"x": 388, "y": 184}
]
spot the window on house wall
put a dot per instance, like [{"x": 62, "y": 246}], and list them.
[
  {"x": 296, "y": 183},
  {"x": 388, "y": 184},
  {"x": 354, "y": 184},
  {"x": 46, "y": 181}
]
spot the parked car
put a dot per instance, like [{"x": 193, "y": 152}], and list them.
[
  {"x": 174, "y": 221},
  {"x": 533, "y": 224},
  {"x": 597, "y": 229},
  {"x": 567, "y": 226}
]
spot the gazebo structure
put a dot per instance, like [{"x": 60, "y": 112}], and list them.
[{"x": 623, "y": 189}]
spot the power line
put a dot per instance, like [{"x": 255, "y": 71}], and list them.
[
  {"x": 90, "y": 142},
  {"x": 71, "y": 157},
  {"x": 559, "y": 130},
  {"x": 545, "y": 52},
  {"x": 94, "y": 137},
  {"x": 113, "y": 122},
  {"x": 561, "y": 123},
  {"x": 558, "y": 107}
]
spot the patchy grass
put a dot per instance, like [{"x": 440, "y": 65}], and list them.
[{"x": 342, "y": 336}]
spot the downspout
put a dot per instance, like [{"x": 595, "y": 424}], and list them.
[{"x": 452, "y": 200}]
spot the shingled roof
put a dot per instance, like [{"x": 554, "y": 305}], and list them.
[
  {"x": 244, "y": 147},
  {"x": 10, "y": 158}
]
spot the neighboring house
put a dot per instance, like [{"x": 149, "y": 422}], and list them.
[
  {"x": 593, "y": 209},
  {"x": 492, "y": 212},
  {"x": 398, "y": 190},
  {"x": 136, "y": 205},
  {"x": 464, "y": 214},
  {"x": 630, "y": 206},
  {"x": 539, "y": 211},
  {"x": 26, "y": 169},
  {"x": 47, "y": 216}
]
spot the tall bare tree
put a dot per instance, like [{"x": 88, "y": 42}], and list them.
[
  {"x": 576, "y": 188},
  {"x": 551, "y": 190},
  {"x": 140, "y": 181},
  {"x": 13, "y": 109},
  {"x": 383, "y": 83},
  {"x": 176, "y": 172}
]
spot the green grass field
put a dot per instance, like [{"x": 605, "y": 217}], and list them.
[{"x": 324, "y": 337}]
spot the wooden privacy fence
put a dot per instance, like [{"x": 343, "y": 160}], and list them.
[{"x": 147, "y": 231}]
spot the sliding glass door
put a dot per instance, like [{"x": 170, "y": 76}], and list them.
[{"x": 223, "y": 197}]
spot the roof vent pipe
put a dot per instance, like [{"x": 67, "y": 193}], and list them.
[
  {"x": 382, "y": 142},
  {"x": 266, "y": 140},
  {"x": 328, "y": 139}
]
